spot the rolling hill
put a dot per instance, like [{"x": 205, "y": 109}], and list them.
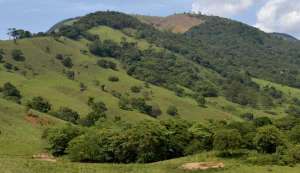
[{"x": 234, "y": 68}]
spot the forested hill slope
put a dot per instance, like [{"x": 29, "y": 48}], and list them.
[
  {"x": 236, "y": 46},
  {"x": 233, "y": 46}
]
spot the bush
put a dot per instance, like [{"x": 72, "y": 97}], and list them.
[
  {"x": 262, "y": 121},
  {"x": 10, "y": 92},
  {"x": 113, "y": 79},
  {"x": 107, "y": 64},
  {"x": 172, "y": 110},
  {"x": 108, "y": 48},
  {"x": 141, "y": 105},
  {"x": 67, "y": 114},
  {"x": 67, "y": 62},
  {"x": 136, "y": 89},
  {"x": 201, "y": 100},
  {"x": 124, "y": 103},
  {"x": 59, "y": 57},
  {"x": 155, "y": 111},
  {"x": 70, "y": 75},
  {"x": 8, "y": 66},
  {"x": 17, "y": 55},
  {"x": 98, "y": 112},
  {"x": 226, "y": 141},
  {"x": 58, "y": 138},
  {"x": 91, "y": 147},
  {"x": 39, "y": 104},
  {"x": 267, "y": 139}
]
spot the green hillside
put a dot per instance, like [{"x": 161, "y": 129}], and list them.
[{"x": 121, "y": 80}]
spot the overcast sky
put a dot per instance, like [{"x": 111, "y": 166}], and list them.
[{"x": 40, "y": 15}]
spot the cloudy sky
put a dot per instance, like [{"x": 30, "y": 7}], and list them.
[{"x": 39, "y": 15}]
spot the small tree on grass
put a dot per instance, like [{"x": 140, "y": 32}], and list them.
[
  {"x": 135, "y": 89},
  {"x": 201, "y": 100},
  {"x": 226, "y": 141},
  {"x": 17, "y": 55},
  {"x": 39, "y": 104},
  {"x": 10, "y": 92},
  {"x": 67, "y": 62},
  {"x": 267, "y": 139},
  {"x": 172, "y": 110},
  {"x": 59, "y": 138},
  {"x": 67, "y": 114},
  {"x": 113, "y": 79}
]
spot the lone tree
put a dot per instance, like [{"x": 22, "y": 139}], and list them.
[{"x": 172, "y": 110}]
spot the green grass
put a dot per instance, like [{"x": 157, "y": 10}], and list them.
[
  {"x": 42, "y": 75},
  {"x": 16, "y": 165}
]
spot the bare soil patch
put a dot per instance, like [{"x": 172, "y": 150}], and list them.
[
  {"x": 44, "y": 157},
  {"x": 36, "y": 120},
  {"x": 202, "y": 166}
]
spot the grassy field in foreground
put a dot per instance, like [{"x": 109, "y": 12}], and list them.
[{"x": 13, "y": 165}]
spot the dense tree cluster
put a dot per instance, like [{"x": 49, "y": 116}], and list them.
[{"x": 150, "y": 141}]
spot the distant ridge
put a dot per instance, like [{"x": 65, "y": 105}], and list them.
[{"x": 284, "y": 36}]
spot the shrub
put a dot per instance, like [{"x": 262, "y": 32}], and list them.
[
  {"x": 10, "y": 92},
  {"x": 262, "y": 121},
  {"x": 226, "y": 141},
  {"x": 17, "y": 55},
  {"x": 267, "y": 139},
  {"x": 67, "y": 114},
  {"x": 98, "y": 112},
  {"x": 155, "y": 111},
  {"x": 124, "y": 103},
  {"x": 141, "y": 105},
  {"x": 67, "y": 62},
  {"x": 107, "y": 48},
  {"x": 107, "y": 64},
  {"x": 201, "y": 100},
  {"x": 172, "y": 110},
  {"x": 70, "y": 75},
  {"x": 59, "y": 57},
  {"x": 91, "y": 147},
  {"x": 135, "y": 89},
  {"x": 113, "y": 79},
  {"x": 82, "y": 87},
  {"x": 58, "y": 138},
  {"x": 39, "y": 104},
  {"x": 8, "y": 66}
]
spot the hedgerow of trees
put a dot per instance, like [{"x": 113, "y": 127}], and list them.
[{"x": 149, "y": 141}]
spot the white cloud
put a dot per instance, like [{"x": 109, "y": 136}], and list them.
[
  {"x": 225, "y": 8},
  {"x": 280, "y": 16}
]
